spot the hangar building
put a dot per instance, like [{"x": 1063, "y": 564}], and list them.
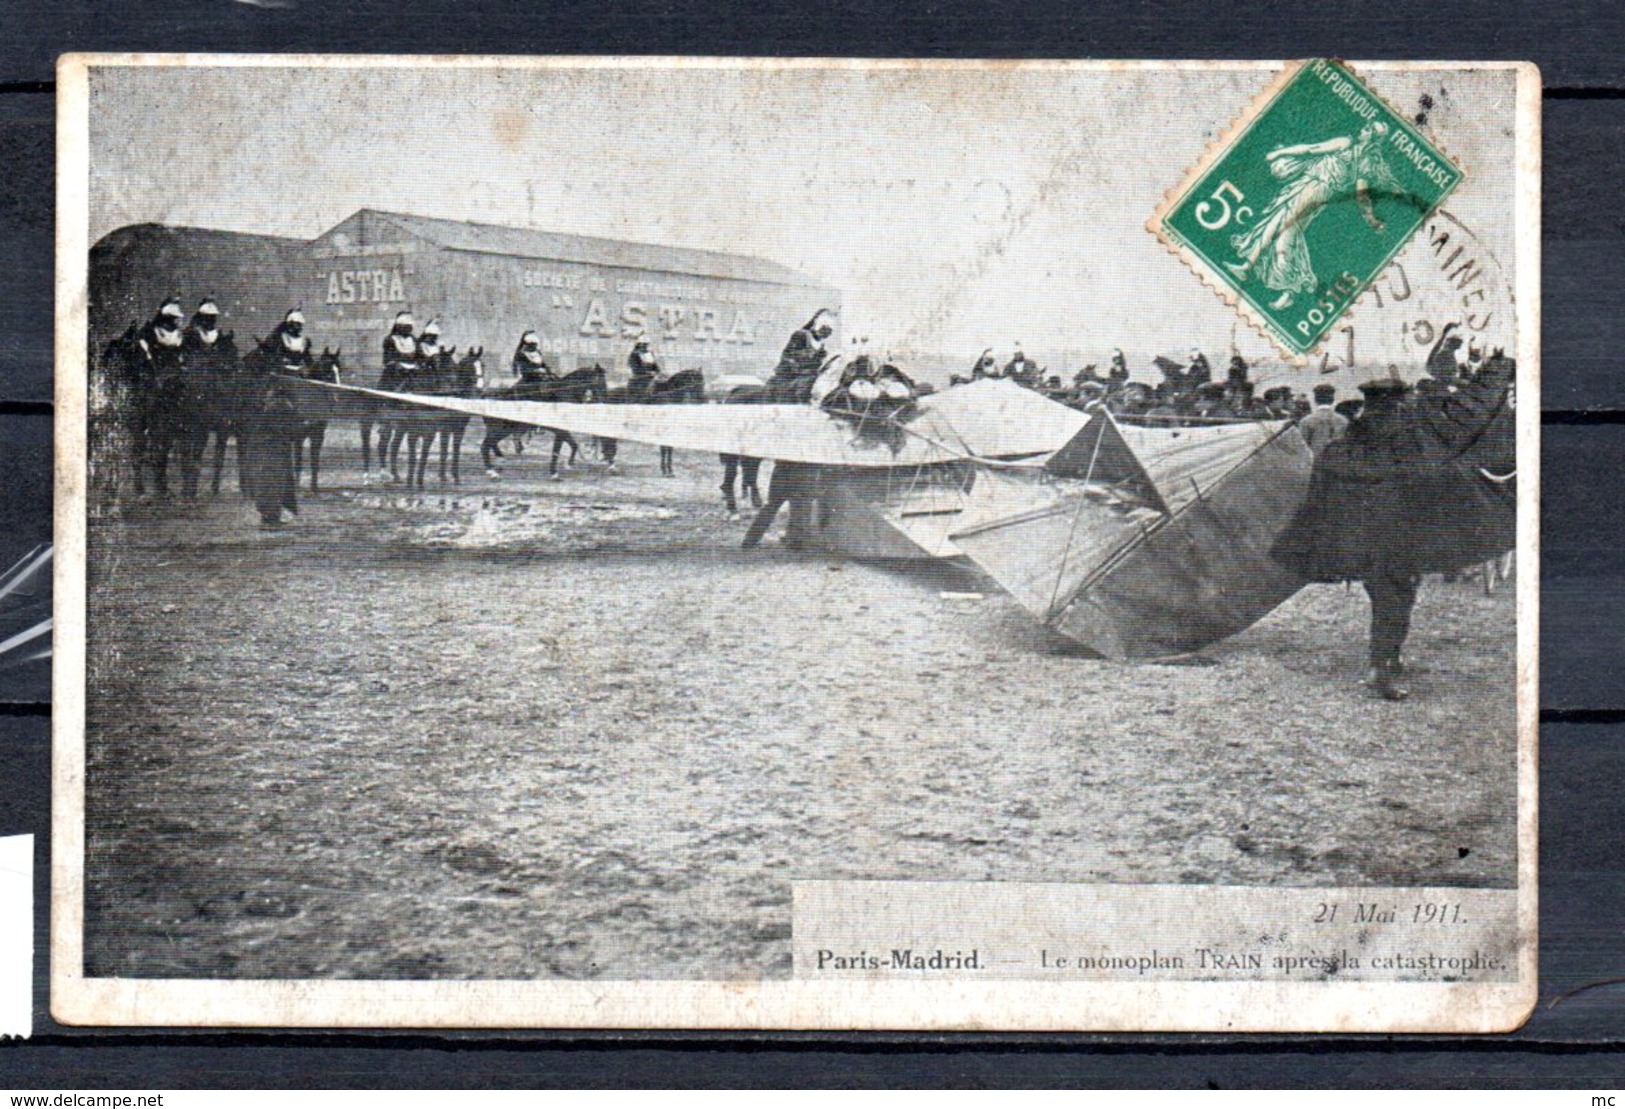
[{"x": 588, "y": 298}]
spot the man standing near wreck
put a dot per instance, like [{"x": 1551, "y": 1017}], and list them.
[
  {"x": 795, "y": 483},
  {"x": 1409, "y": 490}
]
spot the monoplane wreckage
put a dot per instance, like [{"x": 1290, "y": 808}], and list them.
[
  {"x": 1135, "y": 542},
  {"x": 1145, "y": 542}
]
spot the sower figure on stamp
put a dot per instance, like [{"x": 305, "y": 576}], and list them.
[
  {"x": 1409, "y": 490},
  {"x": 1276, "y": 248},
  {"x": 271, "y": 423}
]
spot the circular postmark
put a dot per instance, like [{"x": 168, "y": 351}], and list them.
[{"x": 1445, "y": 298}]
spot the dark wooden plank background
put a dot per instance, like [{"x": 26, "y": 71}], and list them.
[{"x": 1576, "y": 1035}]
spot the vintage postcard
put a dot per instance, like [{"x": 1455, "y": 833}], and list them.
[{"x": 812, "y": 544}]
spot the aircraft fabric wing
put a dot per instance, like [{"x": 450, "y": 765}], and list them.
[{"x": 1004, "y": 421}]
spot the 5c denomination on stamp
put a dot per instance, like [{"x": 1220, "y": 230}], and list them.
[{"x": 1305, "y": 200}]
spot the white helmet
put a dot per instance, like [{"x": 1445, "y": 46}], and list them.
[{"x": 296, "y": 316}]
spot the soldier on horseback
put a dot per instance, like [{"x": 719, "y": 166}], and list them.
[
  {"x": 1199, "y": 372},
  {"x": 1118, "y": 374},
  {"x": 529, "y": 368},
  {"x": 804, "y": 356},
  {"x": 400, "y": 354},
  {"x": 645, "y": 369},
  {"x": 986, "y": 366},
  {"x": 160, "y": 384},
  {"x": 1020, "y": 369},
  {"x": 794, "y": 483},
  {"x": 429, "y": 349},
  {"x": 211, "y": 365}
]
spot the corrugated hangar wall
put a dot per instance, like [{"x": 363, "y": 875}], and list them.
[{"x": 588, "y": 298}]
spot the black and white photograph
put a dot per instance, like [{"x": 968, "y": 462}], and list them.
[{"x": 784, "y": 544}]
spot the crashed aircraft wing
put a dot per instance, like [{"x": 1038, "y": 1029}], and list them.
[
  {"x": 1129, "y": 574},
  {"x": 985, "y": 420}
]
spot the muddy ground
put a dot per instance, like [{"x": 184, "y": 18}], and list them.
[{"x": 568, "y": 729}]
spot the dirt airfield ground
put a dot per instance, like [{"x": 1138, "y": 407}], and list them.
[{"x": 535, "y": 729}]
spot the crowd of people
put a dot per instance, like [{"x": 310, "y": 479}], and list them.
[
  {"x": 171, "y": 364},
  {"x": 180, "y": 381}
]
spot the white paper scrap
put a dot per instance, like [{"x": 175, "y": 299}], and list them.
[{"x": 17, "y": 936}]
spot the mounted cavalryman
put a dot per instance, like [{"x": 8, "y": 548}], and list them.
[
  {"x": 1020, "y": 369},
  {"x": 160, "y": 391},
  {"x": 293, "y": 345},
  {"x": 400, "y": 354},
  {"x": 1117, "y": 376},
  {"x": 803, "y": 357},
  {"x": 795, "y": 483},
  {"x": 1199, "y": 372},
  {"x": 644, "y": 368},
  {"x": 529, "y": 367},
  {"x": 429, "y": 351},
  {"x": 211, "y": 364}
]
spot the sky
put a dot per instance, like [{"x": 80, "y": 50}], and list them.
[{"x": 957, "y": 207}]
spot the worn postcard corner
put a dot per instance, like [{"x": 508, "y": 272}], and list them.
[{"x": 823, "y": 565}]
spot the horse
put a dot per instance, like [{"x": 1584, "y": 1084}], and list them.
[
  {"x": 419, "y": 427},
  {"x": 738, "y": 465},
  {"x": 312, "y": 425},
  {"x": 147, "y": 411},
  {"x": 390, "y": 421},
  {"x": 577, "y": 387},
  {"x": 119, "y": 411},
  {"x": 374, "y": 415},
  {"x": 682, "y": 387},
  {"x": 217, "y": 382},
  {"x": 464, "y": 378}
]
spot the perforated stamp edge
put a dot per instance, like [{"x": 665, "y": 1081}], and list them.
[{"x": 1217, "y": 148}]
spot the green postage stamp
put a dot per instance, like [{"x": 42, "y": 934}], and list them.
[{"x": 1304, "y": 201}]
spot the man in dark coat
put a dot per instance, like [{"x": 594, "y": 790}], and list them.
[
  {"x": 1409, "y": 490},
  {"x": 796, "y": 484},
  {"x": 271, "y": 423}
]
